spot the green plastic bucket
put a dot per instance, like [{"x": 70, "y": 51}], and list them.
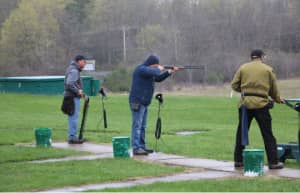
[
  {"x": 43, "y": 137},
  {"x": 253, "y": 160},
  {"x": 121, "y": 146}
]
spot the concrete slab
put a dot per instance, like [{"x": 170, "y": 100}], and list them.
[
  {"x": 71, "y": 158},
  {"x": 173, "y": 178},
  {"x": 188, "y": 132},
  {"x": 224, "y": 166},
  {"x": 202, "y": 163},
  {"x": 89, "y": 147},
  {"x": 157, "y": 156},
  {"x": 285, "y": 172},
  {"x": 189, "y": 162}
]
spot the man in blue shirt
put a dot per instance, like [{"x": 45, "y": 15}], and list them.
[{"x": 144, "y": 77}]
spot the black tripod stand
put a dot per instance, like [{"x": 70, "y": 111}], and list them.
[
  {"x": 103, "y": 94},
  {"x": 85, "y": 111},
  {"x": 158, "y": 97}
]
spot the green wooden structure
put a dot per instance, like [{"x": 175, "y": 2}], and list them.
[
  {"x": 45, "y": 85},
  {"x": 291, "y": 150}
]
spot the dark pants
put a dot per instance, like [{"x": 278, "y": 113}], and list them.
[{"x": 264, "y": 121}]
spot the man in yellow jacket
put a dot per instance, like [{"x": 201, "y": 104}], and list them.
[{"x": 256, "y": 81}]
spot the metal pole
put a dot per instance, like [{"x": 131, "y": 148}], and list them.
[
  {"x": 124, "y": 45},
  {"x": 175, "y": 46}
]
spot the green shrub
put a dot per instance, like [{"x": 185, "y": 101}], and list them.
[{"x": 119, "y": 80}]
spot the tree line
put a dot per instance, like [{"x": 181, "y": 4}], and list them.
[{"x": 40, "y": 37}]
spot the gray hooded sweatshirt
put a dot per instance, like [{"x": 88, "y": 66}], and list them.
[{"x": 73, "y": 83}]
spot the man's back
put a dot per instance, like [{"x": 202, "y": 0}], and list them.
[
  {"x": 142, "y": 86},
  {"x": 256, "y": 78}
]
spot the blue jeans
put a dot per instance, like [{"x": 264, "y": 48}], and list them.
[
  {"x": 73, "y": 120},
  {"x": 139, "y": 124}
]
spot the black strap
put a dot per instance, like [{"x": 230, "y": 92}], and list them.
[{"x": 255, "y": 94}]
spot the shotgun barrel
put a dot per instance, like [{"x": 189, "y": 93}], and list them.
[{"x": 186, "y": 67}]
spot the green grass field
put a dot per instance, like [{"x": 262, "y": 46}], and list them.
[
  {"x": 216, "y": 117},
  {"x": 262, "y": 184},
  {"x": 10, "y": 153},
  {"x": 31, "y": 176}
]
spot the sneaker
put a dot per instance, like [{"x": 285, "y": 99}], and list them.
[
  {"x": 149, "y": 150},
  {"x": 279, "y": 165},
  {"x": 76, "y": 141},
  {"x": 238, "y": 164},
  {"x": 140, "y": 152}
]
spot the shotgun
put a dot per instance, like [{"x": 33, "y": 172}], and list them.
[{"x": 186, "y": 67}]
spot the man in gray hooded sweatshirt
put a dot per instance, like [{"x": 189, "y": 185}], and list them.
[{"x": 72, "y": 94}]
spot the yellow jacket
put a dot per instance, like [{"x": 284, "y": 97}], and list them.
[{"x": 256, "y": 78}]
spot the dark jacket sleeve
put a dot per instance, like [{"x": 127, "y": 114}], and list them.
[
  {"x": 162, "y": 76},
  {"x": 71, "y": 82},
  {"x": 149, "y": 71}
]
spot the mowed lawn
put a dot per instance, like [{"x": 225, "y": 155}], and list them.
[
  {"x": 24, "y": 113},
  {"x": 243, "y": 184},
  {"x": 215, "y": 117}
]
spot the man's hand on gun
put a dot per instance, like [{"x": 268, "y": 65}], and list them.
[
  {"x": 282, "y": 101},
  {"x": 81, "y": 93},
  {"x": 170, "y": 70}
]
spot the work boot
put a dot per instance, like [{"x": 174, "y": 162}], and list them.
[
  {"x": 238, "y": 164},
  {"x": 76, "y": 141},
  {"x": 140, "y": 152},
  {"x": 279, "y": 165},
  {"x": 149, "y": 150}
]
